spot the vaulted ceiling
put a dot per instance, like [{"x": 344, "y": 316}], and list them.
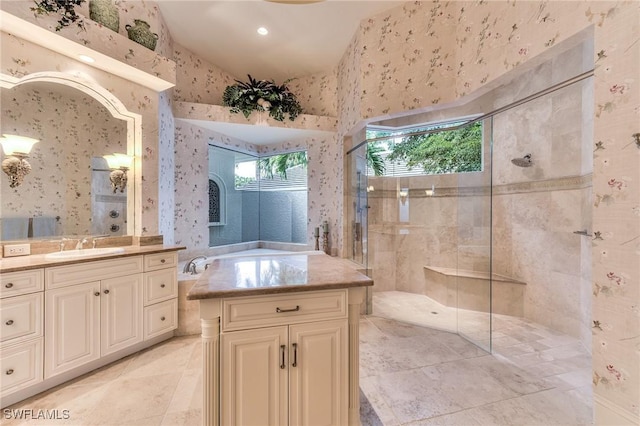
[{"x": 303, "y": 39}]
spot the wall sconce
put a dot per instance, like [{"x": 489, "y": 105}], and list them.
[
  {"x": 119, "y": 165},
  {"x": 403, "y": 193},
  {"x": 430, "y": 192},
  {"x": 370, "y": 188},
  {"x": 16, "y": 148}
]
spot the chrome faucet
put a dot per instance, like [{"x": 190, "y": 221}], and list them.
[
  {"x": 81, "y": 243},
  {"x": 190, "y": 266},
  {"x": 63, "y": 242}
]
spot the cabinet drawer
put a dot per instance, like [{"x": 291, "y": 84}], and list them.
[
  {"x": 261, "y": 311},
  {"x": 16, "y": 283},
  {"x": 160, "y": 318},
  {"x": 153, "y": 262},
  {"x": 62, "y": 276},
  {"x": 160, "y": 285},
  {"x": 21, "y": 317},
  {"x": 20, "y": 366}
]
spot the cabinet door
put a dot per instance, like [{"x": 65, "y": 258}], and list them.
[
  {"x": 254, "y": 377},
  {"x": 318, "y": 373},
  {"x": 121, "y": 313},
  {"x": 72, "y": 327}
]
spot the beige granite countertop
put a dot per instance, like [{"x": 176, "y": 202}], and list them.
[
  {"x": 23, "y": 263},
  {"x": 255, "y": 275}
]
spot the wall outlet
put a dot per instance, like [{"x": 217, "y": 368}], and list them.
[{"x": 17, "y": 250}]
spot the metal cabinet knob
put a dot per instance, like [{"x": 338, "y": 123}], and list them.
[
  {"x": 106, "y": 291},
  {"x": 8, "y": 285},
  {"x": 9, "y": 372},
  {"x": 162, "y": 318},
  {"x": 162, "y": 286},
  {"x": 97, "y": 293},
  {"x": 10, "y": 322}
]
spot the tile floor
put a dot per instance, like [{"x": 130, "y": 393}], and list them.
[
  {"x": 416, "y": 375},
  {"x": 410, "y": 374}
]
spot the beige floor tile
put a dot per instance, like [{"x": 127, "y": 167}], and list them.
[{"x": 135, "y": 398}]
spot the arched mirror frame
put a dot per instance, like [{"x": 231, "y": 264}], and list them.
[{"x": 118, "y": 111}]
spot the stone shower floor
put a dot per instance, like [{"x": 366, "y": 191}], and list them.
[{"x": 410, "y": 374}]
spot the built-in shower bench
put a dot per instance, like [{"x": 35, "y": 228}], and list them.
[{"x": 471, "y": 290}]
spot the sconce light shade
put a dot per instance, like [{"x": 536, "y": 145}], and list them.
[
  {"x": 16, "y": 148},
  {"x": 17, "y": 145},
  {"x": 118, "y": 161},
  {"x": 119, "y": 164}
]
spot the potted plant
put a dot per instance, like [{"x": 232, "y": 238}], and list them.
[
  {"x": 262, "y": 95},
  {"x": 65, "y": 8}
]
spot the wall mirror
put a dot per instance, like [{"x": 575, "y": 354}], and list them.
[{"x": 68, "y": 191}]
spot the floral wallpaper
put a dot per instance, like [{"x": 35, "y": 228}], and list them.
[
  {"x": 72, "y": 128},
  {"x": 317, "y": 93},
  {"x": 166, "y": 173},
  {"x": 198, "y": 81},
  {"x": 396, "y": 44}
]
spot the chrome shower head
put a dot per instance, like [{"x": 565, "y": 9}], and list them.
[{"x": 525, "y": 161}]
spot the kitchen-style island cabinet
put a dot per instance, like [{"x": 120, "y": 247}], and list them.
[{"x": 280, "y": 340}]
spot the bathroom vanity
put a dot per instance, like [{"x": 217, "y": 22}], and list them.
[
  {"x": 280, "y": 340},
  {"x": 67, "y": 315}
]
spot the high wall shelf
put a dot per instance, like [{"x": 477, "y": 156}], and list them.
[
  {"x": 113, "y": 52},
  {"x": 221, "y": 119}
]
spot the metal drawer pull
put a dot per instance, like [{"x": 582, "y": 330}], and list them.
[
  {"x": 296, "y": 309},
  {"x": 9, "y": 371},
  {"x": 162, "y": 318},
  {"x": 8, "y": 285},
  {"x": 97, "y": 293},
  {"x": 10, "y": 322},
  {"x": 162, "y": 286},
  {"x": 106, "y": 291},
  {"x": 295, "y": 355},
  {"x": 282, "y": 348},
  {"x": 162, "y": 261}
]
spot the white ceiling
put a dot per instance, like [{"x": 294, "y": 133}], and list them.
[{"x": 303, "y": 39}]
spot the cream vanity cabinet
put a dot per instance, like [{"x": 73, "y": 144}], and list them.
[
  {"x": 21, "y": 330},
  {"x": 92, "y": 309},
  {"x": 98, "y": 308},
  {"x": 160, "y": 294},
  {"x": 62, "y": 321},
  {"x": 284, "y": 359}
]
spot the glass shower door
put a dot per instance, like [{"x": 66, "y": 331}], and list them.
[{"x": 473, "y": 278}]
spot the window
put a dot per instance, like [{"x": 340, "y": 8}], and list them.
[
  {"x": 217, "y": 200},
  {"x": 455, "y": 150},
  {"x": 214, "y": 201}
]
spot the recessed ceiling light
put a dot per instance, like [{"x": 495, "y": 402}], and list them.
[
  {"x": 263, "y": 31},
  {"x": 86, "y": 58}
]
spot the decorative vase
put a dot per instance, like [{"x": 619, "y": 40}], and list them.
[
  {"x": 141, "y": 34},
  {"x": 105, "y": 13}
]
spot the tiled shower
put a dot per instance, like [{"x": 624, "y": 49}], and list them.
[{"x": 524, "y": 219}]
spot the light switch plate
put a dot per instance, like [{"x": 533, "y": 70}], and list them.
[{"x": 17, "y": 250}]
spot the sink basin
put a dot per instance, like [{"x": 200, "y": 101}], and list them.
[{"x": 71, "y": 254}]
